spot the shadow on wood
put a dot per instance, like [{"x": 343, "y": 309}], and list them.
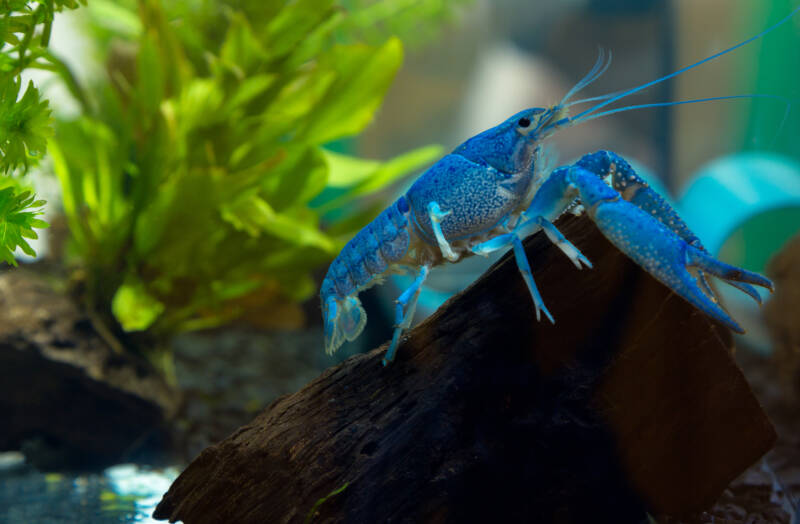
[{"x": 631, "y": 402}]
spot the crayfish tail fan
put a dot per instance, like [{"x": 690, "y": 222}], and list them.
[{"x": 344, "y": 320}]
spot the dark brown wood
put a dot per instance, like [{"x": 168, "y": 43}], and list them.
[
  {"x": 66, "y": 399},
  {"x": 781, "y": 315},
  {"x": 631, "y": 402}
]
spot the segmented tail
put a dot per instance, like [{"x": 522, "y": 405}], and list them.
[{"x": 361, "y": 263}]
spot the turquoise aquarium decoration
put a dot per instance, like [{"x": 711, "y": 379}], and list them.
[{"x": 754, "y": 211}]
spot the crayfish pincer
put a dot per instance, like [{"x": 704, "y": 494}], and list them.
[{"x": 495, "y": 189}]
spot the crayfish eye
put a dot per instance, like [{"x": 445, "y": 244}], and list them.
[{"x": 524, "y": 122}]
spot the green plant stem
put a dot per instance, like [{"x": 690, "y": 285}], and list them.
[
  {"x": 105, "y": 333},
  {"x": 323, "y": 500},
  {"x": 60, "y": 68}
]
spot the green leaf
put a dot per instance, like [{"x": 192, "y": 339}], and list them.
[
  {"x": 413, "y": 21},
  {"x": 181, "y": 211},
  {"x": 134, "y": 307},
  {"x": 351, "y": 222},
  {"x": 69, "y": 193},
  {"x": 252, "y": 214},
  {"x": 150, "y": 74},
  {"x": 115, "y": 18},
  {"x": 249, "y": 89},
  {"x": 199, "y": 105},
  {"x": 18, "y": 212},
  {"x": 363, "y": 75},
  {"x": 362, "y": 181},
  {"x": 242, "y": 51},
  {"x": 24, "y": 125},
  {"x": 315, "y": 41},
  {"x": 346, "y": 170},
  {"x": 297, "y": 179},
  {"x": 25, "y": 122},
  {"x": 396, "y": 168},
  {"x": 294, "y": 23},
  {"x": 297, "y": 103}
]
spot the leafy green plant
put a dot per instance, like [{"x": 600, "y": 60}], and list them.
[
  {"x": 192, "y": 182},
  {"x": 25, "y": 121},
  {"x": 24, "y": 124},
  {"x": 414, "y": 21},
  {"x": 17, "y": 220}
]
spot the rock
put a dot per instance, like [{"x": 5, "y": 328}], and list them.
[{"x": 630, "y": 403}]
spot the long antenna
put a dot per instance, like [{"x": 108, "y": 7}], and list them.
[
  {"x": 693, "y": 101},
  {"x": 683, "y": 70}
]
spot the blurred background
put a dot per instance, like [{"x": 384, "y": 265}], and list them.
[{"x": 207, "y": 159}]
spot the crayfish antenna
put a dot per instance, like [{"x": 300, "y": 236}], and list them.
[
  {"x": 610, "y": 100},
  {"x": 600, "y": 66}
]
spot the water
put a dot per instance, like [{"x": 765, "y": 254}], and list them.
[{"x": 121, "y": 494}]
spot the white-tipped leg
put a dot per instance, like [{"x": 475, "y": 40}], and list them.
[
  {"x": 527, "y": 275},
  {"x": 563, "y": 244},
  {"x": 437, "y": 216},
  {"x": 490, "y": 246},
  {"x": 513, "y": 240},
  {"x": 406, "y": 304}
]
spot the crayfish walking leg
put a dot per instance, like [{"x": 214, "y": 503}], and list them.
[{"x": 404, "y": 312}]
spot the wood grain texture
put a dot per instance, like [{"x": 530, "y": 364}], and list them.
[{"x": 631, "y": 402}]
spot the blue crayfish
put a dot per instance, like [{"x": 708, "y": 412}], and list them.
[{"x": 494, "y": 190}]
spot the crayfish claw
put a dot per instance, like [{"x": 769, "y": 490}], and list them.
[
  {"x": 735, "y": 276},
  {"x": 748, "y": 289}
]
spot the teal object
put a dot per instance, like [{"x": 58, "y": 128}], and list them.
[
  {"x": 745, "y": 207},
  {"x": 727, "y": 193},
  {"x": 776, "y": 70}
]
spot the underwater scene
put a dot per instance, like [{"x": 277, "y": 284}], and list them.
[{"x": 407, "y": 261}]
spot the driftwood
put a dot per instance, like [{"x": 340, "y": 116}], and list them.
[
  {"x": 630, "y": 403},
  {"x": 66, "y": 399},
  {"x": 780, "y": 314}
]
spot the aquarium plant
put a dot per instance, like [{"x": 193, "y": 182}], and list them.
[
  {"x": 199, "y": 173},
  {"x": 25, "y": 122}
]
